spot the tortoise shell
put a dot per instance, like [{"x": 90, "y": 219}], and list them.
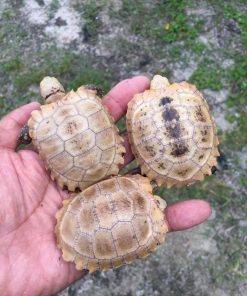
[
  {"x": 172, "y": 133},
  {"x": 77, "y": 139},
  {"x": 111, "y": 223}
]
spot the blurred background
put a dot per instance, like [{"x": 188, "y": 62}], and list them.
[{"x": 103, "y": 42}]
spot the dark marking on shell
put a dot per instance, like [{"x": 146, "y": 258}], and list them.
[
  {"x": 165, "y": 100},
  {"x": 183, "y": 172},
  {"x": 199, "y": 114},
  {"x": 163, "y": 150},
  {"x": 71, "y": 127},
  {"x": 161, "y": 166},
  {"x": 174, "y": 131},
  {"x": 151, "y": 151},
  {"x": 179, "y": 149},
  {"x": 204, "y": 132},
  {"x": 170, "y": 114}
]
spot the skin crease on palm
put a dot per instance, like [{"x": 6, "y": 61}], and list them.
[{"x": 31, "y": 263}]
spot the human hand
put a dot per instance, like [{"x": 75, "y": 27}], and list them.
[{"x": 31, "y": 263}]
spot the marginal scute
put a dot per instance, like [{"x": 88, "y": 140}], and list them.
[
  {"x": 172, "y": 134},
  {"x": 113, "y": 223},
  {"x": 76, "y": 138},
  {"x": 69, "y": 229}
]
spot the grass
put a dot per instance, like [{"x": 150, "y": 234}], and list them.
[
  {"x": 12, "y": 65},
  {"x": 230, "y": 12},
  {"x": 237, "y": 100},
  {"x": 90, "y": 13},
  {"x": 211, "y": 189},
  {"x": 164, "y": 21},
  {"x": 71, "y": 69},
  {"x": 208, "y": 75}
]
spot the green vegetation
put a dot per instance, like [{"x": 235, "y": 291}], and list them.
[
  {"x": 208, "y": 75},
  {"x": 71, "y": 69},
  {"x": 231, "y": 12},
  {"x": 165, "y": 21},
  {"x": 14, "y": 64},
  {"x": 90, "y": 13},
  {"x": 237, "y": 100},
  {"x": 211, "y": 189}
]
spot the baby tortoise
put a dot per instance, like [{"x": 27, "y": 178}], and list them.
[
  {"x": 75, "y": 136},
  {"x": 172, "y": 133},
  {"x": 111, "y": 223}
]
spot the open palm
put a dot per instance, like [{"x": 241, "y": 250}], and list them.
[{"x": 31, "y": 264}]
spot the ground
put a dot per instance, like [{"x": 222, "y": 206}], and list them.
[{"x": 102, "y": 42}]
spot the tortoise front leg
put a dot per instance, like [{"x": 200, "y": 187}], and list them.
[{"x": 24, "y": 137}]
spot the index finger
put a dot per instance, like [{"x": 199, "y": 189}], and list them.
[{"x": 118, "y": 97}]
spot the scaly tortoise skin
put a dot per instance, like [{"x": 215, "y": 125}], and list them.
[
  {"x": 172, "y": 133},
  {"x": 75, "y": 136},
  {"x": 111, "y": 223}
]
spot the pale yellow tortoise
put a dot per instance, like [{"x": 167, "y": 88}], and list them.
[
  {"x": 75, "y": 136},
  {"x": 172, "y": 133},
  {"x": 111, "y": 223}
]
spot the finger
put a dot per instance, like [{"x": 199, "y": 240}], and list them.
[
  {"x": 12, "y": 123},
  {"x": 118, "y": 97},
  {"x": 128, "y": 156},
  {"x": 186, "y": 214}
]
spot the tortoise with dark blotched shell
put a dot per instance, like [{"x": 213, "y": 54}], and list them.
[{"x": 172, "y": 133}]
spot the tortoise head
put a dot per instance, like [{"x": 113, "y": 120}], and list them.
[
  {"x": 159, "y": 82},
  {"x": 51, "y": 89}
]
